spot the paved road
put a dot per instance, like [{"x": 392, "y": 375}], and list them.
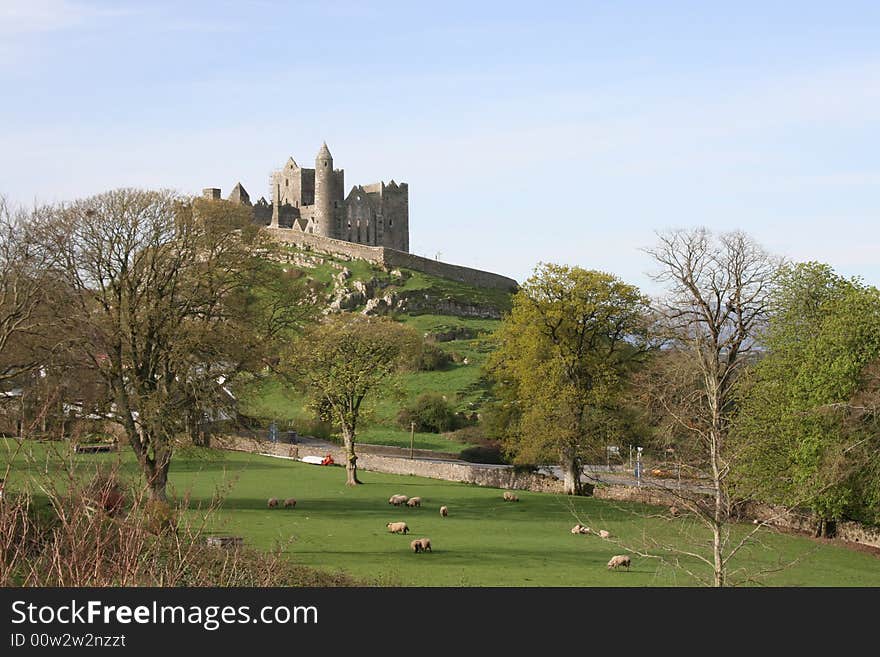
[{"x": 592, "y": 474}]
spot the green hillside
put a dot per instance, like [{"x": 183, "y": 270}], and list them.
[{"x": 266, "y": 399}]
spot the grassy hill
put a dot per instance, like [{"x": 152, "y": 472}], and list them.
[
  {"x": 483, "y": 542},
  {"x": 460, "y": 381}
]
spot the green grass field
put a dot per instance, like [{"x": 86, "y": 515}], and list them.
[{"x": 483, "y": 542}]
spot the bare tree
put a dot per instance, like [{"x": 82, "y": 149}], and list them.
[
  {"x": 718, "y": 295},
  {"x": 161, "y": 310},
  {"x": 27, "y": 284}
]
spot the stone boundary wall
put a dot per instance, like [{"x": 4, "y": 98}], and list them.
[
  {"x": 508, "y": 478},
  {"x": 390, "y": 258},
  {"x": 793, "y": 519},
  {"x": 447, "y": 470}
]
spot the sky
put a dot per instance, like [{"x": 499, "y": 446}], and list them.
[{"x": 528, "y": 132}]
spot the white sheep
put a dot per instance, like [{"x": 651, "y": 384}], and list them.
[
  {"x": 444, "y": 512},
  {"x": 272, "y": 503},
  {"x": 510, "y": 497},
  {"x": 397, "y": 527},
  {"x": 289, "y": 503},
  {"x": 580, "y": 529},
  {"x": 414, "y": 501},
  {"x": 619, "y": 560},
  {"x": 426, "y": 544},
  {"x": 604, "y": 534}
]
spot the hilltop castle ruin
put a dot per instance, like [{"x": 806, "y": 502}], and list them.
[
  {"x": 309, "y": 210},
  {"x": 313, "y": 201}
]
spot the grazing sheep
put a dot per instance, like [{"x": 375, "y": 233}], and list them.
[
  {"x": 397, "y": 500},
  {"x": 510, "y": 497},
  {"x": 416, "y": 545},
  {"x": 426, "y": 544},
  {"x": 580, "y": 529},
  {"x": 272, "y": 503},
  {"x": 444, "y": 512},
  {"x": 604, "y": 534},
  {"x": 619, "y": 560},
  {"x": 289, "y": 503},
  {"x": 414, "y": 501},
  {"x": 397, "y": 527}
]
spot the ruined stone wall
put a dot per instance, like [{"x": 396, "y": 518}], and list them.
[
  {"x": 329, "y": 245},
  {"x": 446, "y": 470},
  {"x": 444, "y": 270},
  {"x": 392, "y": 258},
  {"x": 395, "y": 214}
]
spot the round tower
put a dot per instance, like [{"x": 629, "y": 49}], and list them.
[{"x": 324, "y": 192}]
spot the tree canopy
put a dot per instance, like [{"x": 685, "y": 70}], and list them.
[
  {"x": 808, "y": 425},
  {"x": 343, "y": 360},
  {"x": 563, "y": 352},
  {"x": 163, "y": 308}
]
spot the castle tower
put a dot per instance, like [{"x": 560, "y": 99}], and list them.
[{"x": 324, "y": 192}]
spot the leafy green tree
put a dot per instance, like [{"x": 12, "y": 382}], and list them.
[
  {"x": 343, "y": 360},
  {"x": 563, "y": 354},
  {"x": 807, "y": 428}
]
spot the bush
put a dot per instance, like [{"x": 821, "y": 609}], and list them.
[
  {"x": 429, "y": 357},
  {"x": 472, "y": 433},
  {"x": 316, "y": 428},
  {"x": 69, "y": 542},
  {"x": 430, "y": 412},
  {"x": 159, "y": 517},
  {"x": 490, "y": 453}
]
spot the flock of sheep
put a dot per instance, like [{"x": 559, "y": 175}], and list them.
[
  {"x": 289, "y": 503},
  {"x": 617, "y": 560},
  {"x": 424, "y": 544},
  {"x": 419, "y": 544}
]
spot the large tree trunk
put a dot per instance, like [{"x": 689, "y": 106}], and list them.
[
  {"x": 351, "y": 478},
  {"x": 571, "y": 474},
  {"x": 155, "y": 469},
  {"x": 157, "y": 477}
]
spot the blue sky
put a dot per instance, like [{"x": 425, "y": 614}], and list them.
[{"x": 556, "y": 132}]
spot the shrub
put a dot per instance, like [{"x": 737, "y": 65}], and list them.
[
  {"x": 58, "y": 544},
  {"x": 316, "y": 428},
  {"x": 159, "y": 517},
  {"x": 490, "y": 453},
  {"x": 431, "y": 412},
  {"x": 428, "y": 357},
  {"x": 471, "y": 433}
]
